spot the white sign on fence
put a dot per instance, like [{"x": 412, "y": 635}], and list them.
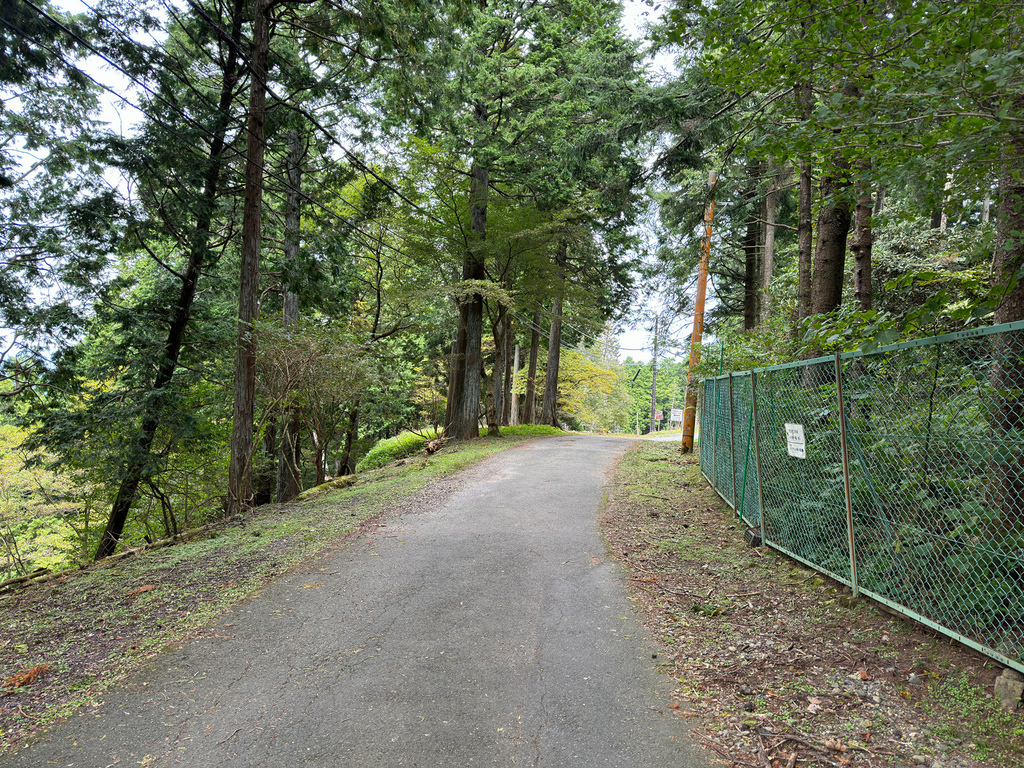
[{"x": 795, "y": 443}]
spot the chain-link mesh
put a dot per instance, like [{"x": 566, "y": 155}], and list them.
[
  {"x": 748, "y": 505},
  {"x": 929, "y": 490},
  {"x": 723, "y": 443},
  {"x": 706, "y": 441}
]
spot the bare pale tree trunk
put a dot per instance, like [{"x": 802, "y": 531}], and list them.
[
  {"x": 549, "y": 408},
  {"x": 769, "y": 210},
  {"x": 654, "y": 379},
  {"x": 944, "y": 221},
  {"x": 240, "y": 468}
]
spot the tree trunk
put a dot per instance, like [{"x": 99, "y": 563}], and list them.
[
  {"x": 863, "y": 238},
  {"x": 351, "y": 432},
  {"x": 507, "y": 373},
  {"x": 804, "y": 94},
  {"x": 466, "y": 416},
  {"x": 804, "y": 242},
  {"x": 493, "y": 430},
  {"x": 456, "y": 372},
  {"x": 198, "y": 256},
  {"x": 263, "y": 482},
  {"x": 1007, "y": 485},
  {"x": 240, "y": 468},
  {"x": 499, "y": 365},
  {"x": 288, "y": 452},
  {"x": 944, "y": 218},
  {"x": 830, "y": 254},
  {"x": 750, "y": 281},
  {"x": 514, "y": 405},
  {"x": 654, "y": 379},
  {"x": 549, "y": 408},
  {"x": 530, "y": 406},
  {"x": 769, "y": 209}
]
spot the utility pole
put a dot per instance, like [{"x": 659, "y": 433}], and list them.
[{"x": 690, "y": 407}]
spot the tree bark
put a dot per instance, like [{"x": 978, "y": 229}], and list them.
[
  {"x": 804, "y": 213},
  {"x": 830, "y": 254},
  {"x": 198, "y": 257},
  {"x": 769, "y": 210},
  {"x": 493, "y": 430},
  {"x": 507, "y": 372},
  {"x": 654, "y": 378},
  {"x": 499, "y": 366},
  {"x": 1007, "y": 485},
  {"x": 240, "y": 468},
  {"x": 288, "y": 450},
  {"x": 549, "y": 408},
  {"x": 514, "y": 405},
  {"x": 456, "y": 372},
  {"x": 530, "y": 406},
  {"x": 466, "y": 415},
  {"x": 750, "y": 281},
  {"x": 351, "y": 432},
  {"x": 863, "y": 238}
]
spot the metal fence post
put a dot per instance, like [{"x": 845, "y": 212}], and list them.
[
  {"x": 757, "y": 454},
  {"x": 732, "y": 447},
  {"x": 846, "y": 477}
]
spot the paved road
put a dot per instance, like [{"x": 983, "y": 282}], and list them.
[{"x": 488, "y": 630}]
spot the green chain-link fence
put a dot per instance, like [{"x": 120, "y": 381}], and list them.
[{"x": 899, "y": 472}]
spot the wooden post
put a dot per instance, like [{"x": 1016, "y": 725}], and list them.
[{"x": 690, "y": 407}]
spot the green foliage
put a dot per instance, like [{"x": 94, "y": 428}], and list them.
[
  {"x": 393, "y": 449},
  {"x": 975, "y": 717},
  {"x": 528, "y": 430}
]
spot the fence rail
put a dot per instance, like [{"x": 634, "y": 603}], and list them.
[{"x": 898, "y": 472}]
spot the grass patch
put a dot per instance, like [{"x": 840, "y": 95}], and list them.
[
  {"x": 972, "y": 716},
  {"x": 394, "y": 448}
]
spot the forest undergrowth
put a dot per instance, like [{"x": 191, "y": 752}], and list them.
[{"x": 778, "y": 665}]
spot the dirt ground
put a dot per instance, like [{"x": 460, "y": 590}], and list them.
[{"x": 780, "y": 666}]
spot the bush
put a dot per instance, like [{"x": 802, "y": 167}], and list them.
[
  {"x": 407, "y": 443},
  {"x": 393, "y": 449},
  {"x": 530, "y": 429}
]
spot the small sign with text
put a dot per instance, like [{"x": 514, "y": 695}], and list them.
[{"x": 795, "y": 443}]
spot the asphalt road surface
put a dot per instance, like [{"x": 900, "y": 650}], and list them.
[{"x": 490, "y": 629}]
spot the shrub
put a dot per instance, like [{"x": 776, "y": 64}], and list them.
[
  {"x": 407, "y": 443},
  {"x": 393, "y": 449},
  {"x": 530, "y": 429}
]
